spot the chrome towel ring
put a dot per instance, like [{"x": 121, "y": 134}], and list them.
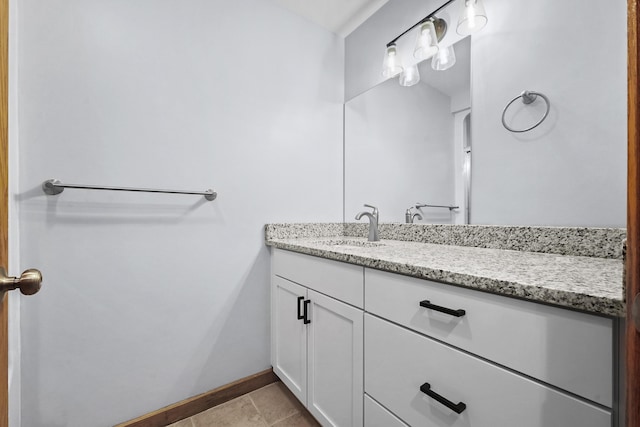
[{"x": 528, "y": 97}]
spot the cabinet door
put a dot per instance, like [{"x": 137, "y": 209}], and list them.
[
  {"x": 335, "y": 362},
  {"x": 289, "y": 336}
]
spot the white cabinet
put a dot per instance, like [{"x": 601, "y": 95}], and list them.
[
  {"x": 317, "y": 340},
  {"x": 507, "y": 361},
  {"x": 400, "y": 351},
  {"x": 289, "y": 336},
  {"x": 568, "y": 349},
  {"x": 339, "y": 280},
  {"x": 427, "y": 383},
  {"x": 335, "y": 362}
]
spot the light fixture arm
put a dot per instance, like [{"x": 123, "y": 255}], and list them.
[{"x": 423, "y": 20}]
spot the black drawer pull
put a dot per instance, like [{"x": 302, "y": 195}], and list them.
[
  {"x": 457, "y": 408},
  {"x": 300, "y": 316},
  {"x": 458, "y": 313},
  {"x": 306, "y": 312}
]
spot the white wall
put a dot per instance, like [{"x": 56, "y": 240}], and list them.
[
  {"x": 572, "y": 169},
  {"x": 149, "y": 299},
  {"x": 399, "y": 151}
]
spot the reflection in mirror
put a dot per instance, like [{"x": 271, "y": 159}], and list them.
[
  {"x": 411, "y": 145},
  {"x": 568, "y": 171}
]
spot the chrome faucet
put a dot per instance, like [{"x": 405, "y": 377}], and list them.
[
  {"x": 373, "y": 222},
  {"x": 409, "y": 217}
]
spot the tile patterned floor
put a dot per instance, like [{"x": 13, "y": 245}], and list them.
[{"x": 270, "y": 406}]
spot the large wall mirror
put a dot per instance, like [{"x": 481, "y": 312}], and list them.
[{"x": 409, "y": 145}]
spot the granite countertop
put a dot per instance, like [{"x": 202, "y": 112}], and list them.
[{"x": 590, "y": 284}]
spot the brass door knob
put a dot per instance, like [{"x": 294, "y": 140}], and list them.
[{"x": 29, "y": 282}]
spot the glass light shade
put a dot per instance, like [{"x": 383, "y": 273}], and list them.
[
  {"x": 410, "y": 76},
  {"x": 444, "y": 59},
  {"x": 391, "y": 65},
  {"x": 472, "y": 17},
  {"x": 426, "y": 42}
]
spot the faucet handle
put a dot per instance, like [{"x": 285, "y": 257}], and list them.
[{"x": 375, "y": 210}]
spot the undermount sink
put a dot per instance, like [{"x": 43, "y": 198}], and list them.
[{"x": 345, "y": 242}]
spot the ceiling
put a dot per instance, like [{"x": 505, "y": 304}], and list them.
[{"x": 338, "y": 16}]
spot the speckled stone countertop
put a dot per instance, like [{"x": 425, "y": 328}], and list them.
[{"x": 586, "y": 283}]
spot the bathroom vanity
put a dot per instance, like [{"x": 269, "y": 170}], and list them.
[{"x": 406, "y": 332}]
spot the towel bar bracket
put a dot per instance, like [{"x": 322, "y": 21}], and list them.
[{"x": 51, "y": 187}]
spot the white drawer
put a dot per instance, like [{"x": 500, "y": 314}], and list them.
[
  {"x": 376, "y": 415},
  {"x": 571, "y": 350},
  {"x": 337, "y": 279},
  {"x": 398, "y": 362}
]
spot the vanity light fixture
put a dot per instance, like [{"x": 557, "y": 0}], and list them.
[
  {"x": 410, "y": 76},
  {"x": 472, "y": 18},
  {"x": 431, "y": 31},
  {"x": 444, "y": 59},
  {"x": 427, "y": 41},
  {"x": 391, "y": 65}
]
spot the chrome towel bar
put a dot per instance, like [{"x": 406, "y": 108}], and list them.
[
  {"x": 422, "y": 205},
  {"x": 54, "y": 186}
]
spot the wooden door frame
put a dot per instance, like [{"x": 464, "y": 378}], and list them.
[
  {"x": 4, "y": 206},
  {"x": 632, "y": 337}
]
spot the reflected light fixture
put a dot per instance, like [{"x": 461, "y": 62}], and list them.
[
  {"x": 426, "y": 42},
  {"x": 472, "y": 18},
  {"x": 391, "y": 65},
  {"x": 444, "y": 59},
  {"x": 410, "y": 76}
]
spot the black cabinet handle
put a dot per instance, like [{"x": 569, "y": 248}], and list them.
[
  {"x": 458, "y": 313},
  {"x": 300, "y": 316},
  {"x": 457, "y": 408},
  {"x": 305, "y": 315}
]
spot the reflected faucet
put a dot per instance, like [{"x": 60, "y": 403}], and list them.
[
  {"x": 373, "y": 222},
  {"x": 409, "y": 218}
]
